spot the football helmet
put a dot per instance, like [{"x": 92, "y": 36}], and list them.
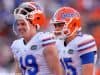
[
  {"x": 69, "y": 18},
  {"x": 30, "y": 11}
]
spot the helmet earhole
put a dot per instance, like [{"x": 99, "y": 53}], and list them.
[
  {"x": 38, "y": 18},
  {"x": 74, "y": 25}
]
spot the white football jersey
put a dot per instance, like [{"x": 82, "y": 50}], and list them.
[
  {"x": 30, "y": 56},
  {"x": 70, "y": 54}
]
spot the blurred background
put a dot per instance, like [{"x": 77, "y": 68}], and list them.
[{"x": 90, "y": 15}]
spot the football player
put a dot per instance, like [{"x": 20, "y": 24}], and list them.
[
  {"x": 77, "y": 50},
  {"x": 35, "y": 52}
]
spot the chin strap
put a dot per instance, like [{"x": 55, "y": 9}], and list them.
[{"x": 38, "y": 26}]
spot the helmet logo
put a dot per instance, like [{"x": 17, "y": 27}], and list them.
[{"x": 67, "y": 15}]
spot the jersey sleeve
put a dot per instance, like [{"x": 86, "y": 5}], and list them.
[
  {"x": 14, "y": 49},
  {"x": 47, "y": 39},
  {"x": 88, "y": 58},
  {"x": 86, "y": 45}
]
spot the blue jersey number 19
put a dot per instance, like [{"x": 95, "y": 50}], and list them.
[{"x": 30, "y": 62}]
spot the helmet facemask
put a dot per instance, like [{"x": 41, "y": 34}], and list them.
[
  {"x": 60, "y": 30},
  {"x": 15, "y": 25},
  {"x": 20, "y": 14}
]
